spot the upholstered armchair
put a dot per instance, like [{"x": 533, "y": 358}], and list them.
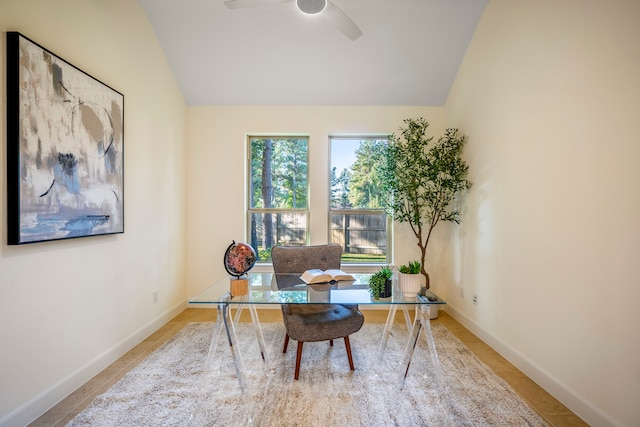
[{"x": 313, "y": 322}]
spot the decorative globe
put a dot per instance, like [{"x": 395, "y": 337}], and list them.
[{"x": 239, "y": 259}]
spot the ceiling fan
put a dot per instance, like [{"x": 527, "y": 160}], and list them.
[{"x": 325, "y": 8}]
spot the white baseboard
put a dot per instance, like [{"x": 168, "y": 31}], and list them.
[
  {"x": 44, "y": 401},
  {"x": 577, "y": 404}
]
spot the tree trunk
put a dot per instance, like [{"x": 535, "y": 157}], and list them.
[
  {"x": 423, "y": 270},
  {"x": 267, "y": 192}
]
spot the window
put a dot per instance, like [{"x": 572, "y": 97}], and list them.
[
  {"x": 278, "y": 192},
  {"x": 356, "y": 217}
]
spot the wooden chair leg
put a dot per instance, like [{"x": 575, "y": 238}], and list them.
[
  {"x": 286, "y": 343},
  {"x": 331, "y": 343},
  {"x": 298, "y": 358},
  {"x": 348, "y": 346}
]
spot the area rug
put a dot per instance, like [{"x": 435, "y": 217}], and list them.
[{"x": 172, "y": 388}]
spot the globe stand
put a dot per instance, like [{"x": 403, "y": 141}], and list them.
[{"x": 239, "y": 287}]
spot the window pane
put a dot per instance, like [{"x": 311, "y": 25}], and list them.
[
  {"x": 354, "y": 173},
  {"x": 363, "y": 236},
  {"x": 278, "y": 173},
  {"x": 271, "y": 229},
  {"x": 358, "y": 222}
]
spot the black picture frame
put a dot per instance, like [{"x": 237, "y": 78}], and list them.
[{"x": 65, "y": 148}]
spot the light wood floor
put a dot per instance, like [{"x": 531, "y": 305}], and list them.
[{"x": 549, "y": 408}]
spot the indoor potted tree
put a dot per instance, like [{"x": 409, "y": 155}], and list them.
[
  {"x": 422, "y": 178},
  {"x": 380, "y": 283}
]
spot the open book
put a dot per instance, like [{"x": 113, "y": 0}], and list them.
[{"x": 319, "y": 276}]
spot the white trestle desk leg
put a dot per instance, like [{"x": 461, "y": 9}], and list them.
[
  {"x": 414, "y": 333},
  {"x": 389, "y": 324},
  {"x": 255, "y": 321},
  {"x": 223, "y": 321},
  {"x": 258, "y": 330},
  {"x": 218, "y": 326},
  {"x": 233, "y": 347},
  {"x": 407, "y": 318},
  {"x": 239, "y": 308},
  {"x": 199, "y": 410},
  {"x": 387, "y": 330},
  {"x": 422, "y": 322},
  {"x": 425, "y": 314}
]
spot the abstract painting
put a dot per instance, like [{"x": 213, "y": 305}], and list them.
[{"x": 65, "y": 158}]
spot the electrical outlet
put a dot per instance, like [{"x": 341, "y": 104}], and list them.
[
  {"x": 155, "y": 297},
  {"x": 475, "y": 299}
]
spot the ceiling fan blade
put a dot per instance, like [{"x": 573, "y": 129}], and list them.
[
  {"x": 241, "y": 4},
  {"x": 341, "y": 21}
]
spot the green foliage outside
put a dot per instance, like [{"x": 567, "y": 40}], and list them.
[
  {"x": 366, "y": 191},
  {"x": 340, "y": 185},
  {"x": 279, "y": 170},
  {"x": 363, "y": 258},
  {"x": 359, "y": 186},
  {"x": 264, "y": 254}
]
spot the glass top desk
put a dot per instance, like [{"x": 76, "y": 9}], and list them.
[{"x": 269, "y": 288}]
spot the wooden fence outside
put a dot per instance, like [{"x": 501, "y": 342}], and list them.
[
  {"x": 357, "y": 233},
  {"x": 360, "y": 233}
]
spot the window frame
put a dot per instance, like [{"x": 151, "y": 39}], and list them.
[
  {"x": 389, "y": 220},
  {"x": 250, "y": 210}
]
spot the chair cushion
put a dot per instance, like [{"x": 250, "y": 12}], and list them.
[{"x": 321, "y": 322}]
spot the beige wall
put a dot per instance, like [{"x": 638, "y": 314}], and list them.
[
  {"x": 216, "y": 187},
  {"x": 549, "y": 93},
  {"x": 69, "y": 308}
]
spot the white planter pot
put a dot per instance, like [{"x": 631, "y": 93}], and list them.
[
  {"x": 409, "y": 284},
  {"x": 433, "y": 313}
]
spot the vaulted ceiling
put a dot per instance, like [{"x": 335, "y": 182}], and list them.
[{"x": 408, "y": 54}]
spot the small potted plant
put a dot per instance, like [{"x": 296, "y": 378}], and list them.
[
  {"x": 380, "y": 283},
  {"x": 409, "y": 278}
]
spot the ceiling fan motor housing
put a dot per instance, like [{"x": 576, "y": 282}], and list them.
[{"x": 311, "y": 7}]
